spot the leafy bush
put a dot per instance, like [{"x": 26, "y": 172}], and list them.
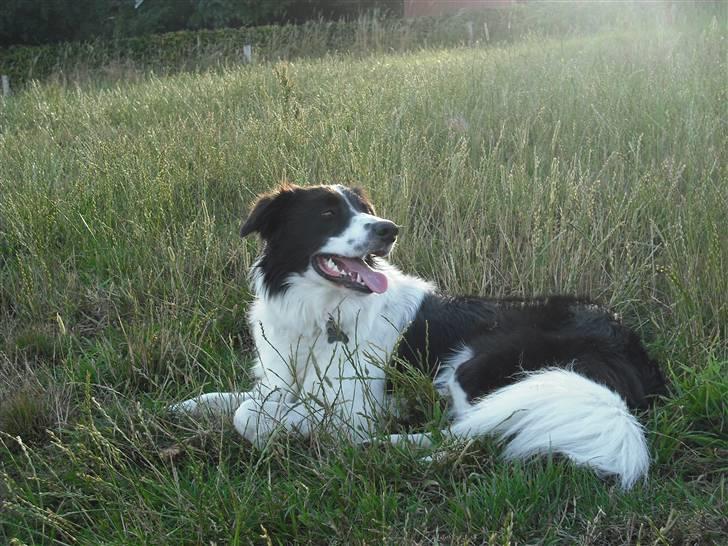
[
  {"x": 37, "y": 22},
  {"x": 47, "y": 21}
]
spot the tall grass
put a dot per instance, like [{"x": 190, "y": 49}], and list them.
[{"x": 593, "y": 165}]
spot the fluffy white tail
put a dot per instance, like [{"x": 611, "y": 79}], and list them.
[{"x": 560, "y": 411}]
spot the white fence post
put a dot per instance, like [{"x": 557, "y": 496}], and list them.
[
  {"x": 248, "y": 53},
  {"x": 471, "y": 32},
  {"x": 6, "y": 85}
]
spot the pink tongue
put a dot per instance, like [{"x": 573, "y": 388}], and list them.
[{"x": 377, "y": 282}]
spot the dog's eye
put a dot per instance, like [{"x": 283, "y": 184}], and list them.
[{"x": 328, "y": 213}]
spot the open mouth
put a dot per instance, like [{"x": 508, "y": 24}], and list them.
[{"x": 353, "y": 273}]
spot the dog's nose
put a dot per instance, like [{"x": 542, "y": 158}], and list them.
[{"x": 385, "y": 230}]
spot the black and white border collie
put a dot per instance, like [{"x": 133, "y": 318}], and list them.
[{"x": 550, "y": 375}]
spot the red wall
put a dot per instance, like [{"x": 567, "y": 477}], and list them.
[{"x": 415, "y": 8}]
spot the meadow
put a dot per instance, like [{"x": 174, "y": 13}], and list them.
[{"x": 588, "y": 164}]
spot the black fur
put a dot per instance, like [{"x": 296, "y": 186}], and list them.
[{"x": 509, "y": 337}]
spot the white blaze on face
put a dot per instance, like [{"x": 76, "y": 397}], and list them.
[{"x": 354, "y": 241}]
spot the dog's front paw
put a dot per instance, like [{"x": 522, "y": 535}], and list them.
[
  {"x": 214, "y": 403},
  {"x": 186, "y": 407},
  {"x": 256, "y": 420}
]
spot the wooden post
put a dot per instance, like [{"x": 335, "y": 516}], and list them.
[
  {"x": 6, "y": 85},
  {"x": 471, "y": 32},
  {"x": 248, "y": 53}
]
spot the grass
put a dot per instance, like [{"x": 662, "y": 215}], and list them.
[{"x": 594, "y": 165}]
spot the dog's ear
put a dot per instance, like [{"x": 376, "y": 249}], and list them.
[
  {"x": 258, "y": 217},
  {"x": 362, "y": 195},
  {"x": 264, "y": 215}
]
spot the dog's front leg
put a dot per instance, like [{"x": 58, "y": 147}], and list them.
[
  {"x": 216, "y": 403},
  {"x": 257, "y": 419},
  {"x": 418, "y": 439},
  {"x": 354, "y": 417}
]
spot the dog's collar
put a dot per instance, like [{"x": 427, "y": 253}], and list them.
[{"x": 334, "y": 332}]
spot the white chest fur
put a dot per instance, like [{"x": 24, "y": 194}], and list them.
[{"x": 328, "y": 342}]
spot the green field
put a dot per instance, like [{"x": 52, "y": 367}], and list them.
[{"x": 595, "y": 165}]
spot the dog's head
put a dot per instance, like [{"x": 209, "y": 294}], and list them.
[{"x": 329, "y": 234}]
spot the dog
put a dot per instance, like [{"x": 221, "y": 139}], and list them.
[{"x": 546, "y": 375}]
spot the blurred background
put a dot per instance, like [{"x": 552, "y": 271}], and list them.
[
  {"x": 33, "y": 22},
  {"x": 48, "y": 21}
]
